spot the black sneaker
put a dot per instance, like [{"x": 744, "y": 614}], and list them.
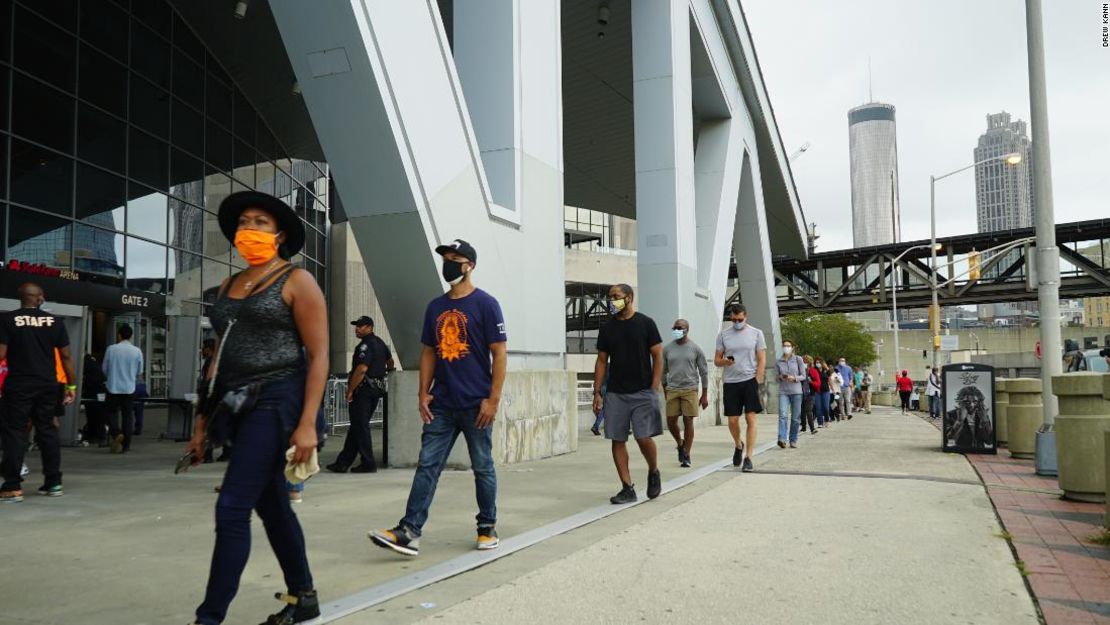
[
  {"x": 684, "y": 461},
  {"x": 51, "y": 491},
  {"x": 655, "y": 484},
  {"x": 399, "y": 539},
  {"x": 782, "y": 444},
  {"x": 627, "y": 495},
  {"x": 748, "y": 468},
  {"x": 302, "y": 607},
  {"x": 363, "y": 468},
  {"x": 681, "y": 455},
  {"x": 738, "y": 455},
  {"x": 336, "y": 468}
]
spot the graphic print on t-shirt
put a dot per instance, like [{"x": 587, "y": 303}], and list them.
[{"x": 452, "y": 336}]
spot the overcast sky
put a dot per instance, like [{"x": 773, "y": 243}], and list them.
[{"x": 945, "y": 64}]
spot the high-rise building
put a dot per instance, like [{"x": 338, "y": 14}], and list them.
[{"x": 873, "y": 148}]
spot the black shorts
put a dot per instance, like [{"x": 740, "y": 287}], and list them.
[{"x": 741, "y": 398}]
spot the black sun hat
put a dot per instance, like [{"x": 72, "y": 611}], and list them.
[{"x": 287, "y": 220}]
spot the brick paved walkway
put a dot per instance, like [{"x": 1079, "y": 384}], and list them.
[{"x": 1069, "y": 574}]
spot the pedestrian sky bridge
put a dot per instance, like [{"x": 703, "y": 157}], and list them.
[{"x": 861, "y": 279}]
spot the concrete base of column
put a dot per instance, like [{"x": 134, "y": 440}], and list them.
[
  {"x": 538, "y": 419},
  {"x": 1001, "y": 412},
  {"x": 1106, "y": 475},
  {"x": 1023, "y": 422},
  {"x": 1081, "y": 456}
]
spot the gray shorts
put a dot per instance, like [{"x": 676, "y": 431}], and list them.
[{"x": 638, "y": 412}]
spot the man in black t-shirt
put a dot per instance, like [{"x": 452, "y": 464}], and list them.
[
  {"x": 28, "y": 338},
  {"x": 630, "y": 349},
  {"x": 365, "y": 387}
]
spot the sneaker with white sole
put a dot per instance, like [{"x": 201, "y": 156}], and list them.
[
  {"x": 51, "y": 491},
  {"x": 11, "y": 496},
  {"x": 399, "y": 539},
  {"x": 487, "y": 538}
]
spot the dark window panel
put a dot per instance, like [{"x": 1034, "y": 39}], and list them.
[
  {"x": 156, "y": 14},
  {"x": 322, "y": 247},
  {"x": 146, "y": 213},
  {"x": 186, "y": 177},
  {"x": 150, "y": 54},
  {"x": 219, "y": 99},
  {"x": 41, "y": 178},
  {"x": 244, "y": 118},
  {"x": 149, "y": 160},
  {"x": 60, "y": 12},
  {"x": 213, "y": 275},
  {"x": 244, "y": 163},
  {"x": 266, "y": 144},
  {"x": 104, "y": 25},
  {"x": 188, "y": 80},
  {"x": 216, "y": 188},
  {"x": 3, "y": 171},
  {"x": 146, "y": 266},
  {"x": 44, "y": 50},
  {"x": 184, "y": 38},
  {"x": 102, "y": 81},
  {"x": 42, "y": 114},
  {"x": 188, "y": 129},
  {"x": 5, "y": 40},
  {"x": 101, "y": 138},
  {"x": 5, "y": 75},
  {"x": 214, "y": 68},
  {"x": 310, "y": 244},
  {"x": 98, "y": 255},
  {"x": 218, "y": 147},
  {"x": 101, "y": 198},
  {"x": 38, "y": 238},
  {"x": 150, "y": 107}
]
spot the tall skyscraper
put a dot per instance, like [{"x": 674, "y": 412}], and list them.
[
  {"x": 873, "y": 148},
  {"x": 1004, "y": 195}
]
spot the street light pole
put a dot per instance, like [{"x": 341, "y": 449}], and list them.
[
  {"x": 1048, "y": 255},
  {"x": 935, "y": 310}
]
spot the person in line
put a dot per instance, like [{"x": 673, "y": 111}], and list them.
[
  {"x": 684, "y": 366},
  {"x": 792, "y": 374},
  {"x": 28, "y": 338},
  {"x": 865, "y": 390},
  {"x": 905, "y": 388},
  {"x": 94, "y": 390},
  {"x": 462, "y": 372},
  {"x": 823, "y": 394},
  {"x": 857, "y": 382},
  {"x": 365, "y": 388},
  {"x": 846, "y": 378},
  {"x": 932, "y": 390},
  {"x": 123, "y": 363},
  {"x": 811, "y": 385},
  {"x": 141, "y": 395},
  {"x": 630, "y": 355},
  {"x": 742, "y": 352},
  {"x": 271, "y": 323},
  {"x": 915, "y": 399},
  {"x": 836, "y": 388}
]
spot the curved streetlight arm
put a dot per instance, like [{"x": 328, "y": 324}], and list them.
[{"x": 1000, "y": 157}]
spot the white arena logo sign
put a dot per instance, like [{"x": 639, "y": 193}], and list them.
[{"x": 135, "y": 300}]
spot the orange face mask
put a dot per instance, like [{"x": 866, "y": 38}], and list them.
[{"x": 256, "y": 247}]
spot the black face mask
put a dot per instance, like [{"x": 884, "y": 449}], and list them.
[{"x": 452, "y": 272}]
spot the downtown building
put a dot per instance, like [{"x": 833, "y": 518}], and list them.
[
  {"x": 1004, "y": 200},
  {"x": 873, "y": 151}
]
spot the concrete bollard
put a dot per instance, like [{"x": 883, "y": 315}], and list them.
[
  {"x": 882, "y": 398},
  {"x": 1106, "y": 461},
  {"x": 1084, "y": 416},
  {"x": 1001, "y": 408},
  {"x": 1024, "y": 416}
]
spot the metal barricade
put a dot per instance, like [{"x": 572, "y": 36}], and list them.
[{"x": 337, "y": 411}]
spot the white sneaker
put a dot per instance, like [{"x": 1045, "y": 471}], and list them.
[{"x": 25, "y": 471}]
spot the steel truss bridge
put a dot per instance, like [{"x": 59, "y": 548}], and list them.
[{"x": 861, "y": 279}]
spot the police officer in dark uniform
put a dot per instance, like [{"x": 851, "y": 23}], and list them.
[
  {"x": 365, "y": 387},
  {"x": 28, "y": 338}
]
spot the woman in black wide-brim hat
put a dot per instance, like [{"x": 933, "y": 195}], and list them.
[{"x": 273, "y": 351}]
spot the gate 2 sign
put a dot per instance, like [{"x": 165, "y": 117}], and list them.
[{"x": 967, "y": 392}]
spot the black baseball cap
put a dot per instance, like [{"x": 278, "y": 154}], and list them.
[
  {"x": 363, "y": 321},
  {"x": 459, "y": 247}
]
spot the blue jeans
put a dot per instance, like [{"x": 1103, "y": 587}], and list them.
[
  {"x": 255, "y": 480},
  {"x": 790, "y": 416},
  {"x": 823, "y": 407},
  {"x": 934, "y": 406},
  {"x": 435, "y": 446}
]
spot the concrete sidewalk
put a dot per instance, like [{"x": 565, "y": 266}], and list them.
[
  {"x": 131, "y": 543},
  {"x": 867, "y": 523}
]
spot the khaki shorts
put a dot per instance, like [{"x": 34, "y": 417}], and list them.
[{"x": 682, "y": 403}]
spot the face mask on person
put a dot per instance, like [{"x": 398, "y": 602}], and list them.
[
  {"x": 843, "y": 362},
  {"x": 453, "y": 272},
  {"x": 256, "y": 247},
  {"x": 678, "y": 334},
  {"x": 616, "y": 306},
  {"x": 740, "y": 325},
  {"x": 787, "y": 349}
]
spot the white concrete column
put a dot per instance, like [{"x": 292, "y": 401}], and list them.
[
  {"x": 752, "y": 248},
  {"x": 665, "y": 217}
]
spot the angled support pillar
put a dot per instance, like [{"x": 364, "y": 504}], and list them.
[{"x": 753, "y": 260}]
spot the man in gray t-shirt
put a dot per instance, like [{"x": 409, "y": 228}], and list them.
[
  {"x": 742, "y": 352},
  {"x": 683, "y": 368}
]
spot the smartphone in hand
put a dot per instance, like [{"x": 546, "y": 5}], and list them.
[{"x": 183, "y": 463}]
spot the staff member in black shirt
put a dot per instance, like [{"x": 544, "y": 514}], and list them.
[
  {"x": 28, "y": 338},
  {"x": 365, "y": 386}
]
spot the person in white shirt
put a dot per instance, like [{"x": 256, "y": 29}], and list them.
[
  {"x": 932, "y": 390},
  {"x": 836, "y": 384}
]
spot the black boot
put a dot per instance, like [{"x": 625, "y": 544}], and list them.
[{"x": 302, "y": 607}]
